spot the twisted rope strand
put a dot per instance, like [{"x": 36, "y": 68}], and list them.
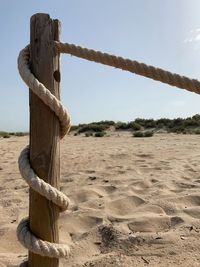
[
  {"x": 39, "y": 185},
  {"x": 26, "y": 238},
  {"x": 42, "y": 92},
  {"x": 38, "y": 246},
  {"x": 133, "y": 66}
]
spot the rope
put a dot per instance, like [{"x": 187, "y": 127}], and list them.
[
  {"x": 42, "y": 92},
  {"x": 142, "y": 69},
  {"x": 26, "y": 238},
  {"x": 24, "y": 234}
]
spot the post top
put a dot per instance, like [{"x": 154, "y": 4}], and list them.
[{"x": 40, "y": 15}]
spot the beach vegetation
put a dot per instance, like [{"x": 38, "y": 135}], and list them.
[{"x": 99, "y": 134}]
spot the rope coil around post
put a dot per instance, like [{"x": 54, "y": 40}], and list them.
[
  {"x": 133, "y": 66},
  {"x": 26, "y": 238}
]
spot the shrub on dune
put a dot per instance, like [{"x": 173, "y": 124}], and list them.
[
  {"x": 143, "y": 134},
  {"x": 99, "y": 134}
]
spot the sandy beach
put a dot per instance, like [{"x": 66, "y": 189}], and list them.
[{"x": 134, "y": 201}]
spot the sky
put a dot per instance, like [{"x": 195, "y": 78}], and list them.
[{"x": 165, "y": 34}]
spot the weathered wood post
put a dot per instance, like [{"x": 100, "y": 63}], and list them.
[{"x": 44, "y": 133}]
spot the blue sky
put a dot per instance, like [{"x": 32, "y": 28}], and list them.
[{"x": 165, "y": 34}]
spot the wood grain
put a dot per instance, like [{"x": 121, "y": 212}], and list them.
[{"x": 44, "y": 133}]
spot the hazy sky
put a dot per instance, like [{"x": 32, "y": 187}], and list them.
[{"x": 163, "y": 33}]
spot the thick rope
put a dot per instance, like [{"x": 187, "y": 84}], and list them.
[
  {"x": 157, "y": 74},
  {"x": 42, "y": 92},
  {"x": 38, "y": 246},
  {"x": 30, "y": 241},
  {"x": 24, "y": 234}
]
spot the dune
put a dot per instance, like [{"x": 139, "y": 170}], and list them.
[{"x": 134, "y": 201}]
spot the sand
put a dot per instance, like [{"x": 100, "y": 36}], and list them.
[{"x": 135, "y": 201}]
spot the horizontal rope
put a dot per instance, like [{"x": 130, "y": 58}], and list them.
[{"x": 133, "y": 66}]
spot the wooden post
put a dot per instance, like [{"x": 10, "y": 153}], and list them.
[{"x": 44, "y": 133}]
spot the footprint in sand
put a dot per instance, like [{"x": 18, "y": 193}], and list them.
[
  {"x": 83, "y": 195},
  {"x": 194, "y": 212},
  {"x": 149, "y": 218},
  {"x": 173, "y": 205},
  {"x": 105, "y": 189},
  {"x": 187, "y": 201},
  {"x": 77, "y": 224},
  {"x": 123, "y": 208},
  {"x": 151, "y": 222},
  {"x": 138, "y": 185}
]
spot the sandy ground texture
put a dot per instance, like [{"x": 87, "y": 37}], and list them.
[{"x": 135, "y": 201}]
